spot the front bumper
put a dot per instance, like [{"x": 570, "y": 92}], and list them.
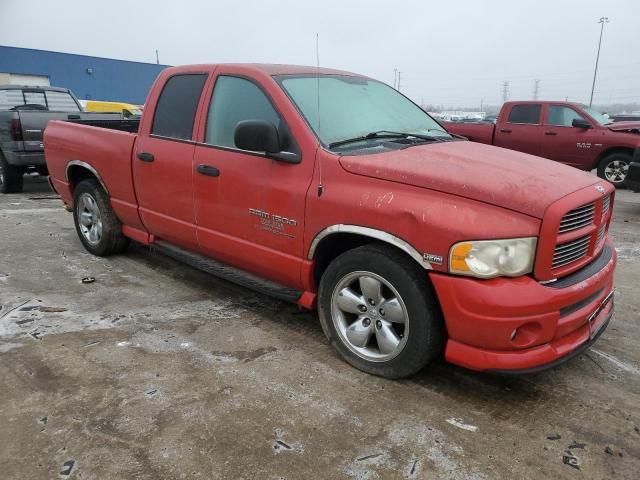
[
  {"x": 518, "y": 325},
  {"x": 25, "y": 159}
]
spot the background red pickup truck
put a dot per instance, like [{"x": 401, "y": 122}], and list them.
[
  {"x": 561, "y": 131},
  {"x": 330, "y": 188}
]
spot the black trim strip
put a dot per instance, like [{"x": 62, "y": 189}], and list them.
[
  {"x": 578, "y": 305},
  {"x": 587, "y": 272},
  {"x": 561, "y": 360},
  {"x": 228, "y": 272}
]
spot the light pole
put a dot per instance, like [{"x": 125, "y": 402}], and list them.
[{"x": 602, "y": 21}]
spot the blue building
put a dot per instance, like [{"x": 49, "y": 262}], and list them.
[{"x": 89, "y": 78}]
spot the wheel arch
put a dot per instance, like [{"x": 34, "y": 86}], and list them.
[
  {"x": 78, "y": 170},
  {"x": 610, "y": 151},
  {"x": 337, "y": 239}
]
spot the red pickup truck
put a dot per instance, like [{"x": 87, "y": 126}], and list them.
[
  {"x": 333, "y": 190},
  {"x": 561, "y": 131}
]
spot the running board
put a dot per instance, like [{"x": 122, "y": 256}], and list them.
[{"x": 227, "y": 272}]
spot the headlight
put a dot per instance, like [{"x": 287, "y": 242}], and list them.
[{"x": 493, "y": 258}]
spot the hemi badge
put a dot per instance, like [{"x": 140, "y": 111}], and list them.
[{"x": 432, "y": 258}]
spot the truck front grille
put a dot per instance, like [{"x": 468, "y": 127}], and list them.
[
  {"x": 606, "y": 203},
  {"x": 577, "y": 218},
  {"x": 568, "y": 252}
]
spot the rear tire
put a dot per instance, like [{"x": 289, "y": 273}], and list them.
[
  {"x": 11, "y": 177},
  {"x": 379, "y": 312},
  {"x": 97, "y": 226},
  {"x": 614, "y": 168}
]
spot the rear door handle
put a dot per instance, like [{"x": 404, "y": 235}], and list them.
[
  {"x": 145, "y": 156},
  {"x": 208, "y": 170},
  {"x": 550, "y": 133},
  {"x": 505, "y": 130}
]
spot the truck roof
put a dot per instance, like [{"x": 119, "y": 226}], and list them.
[
  {"x": 272, "y": 69},
  {"x": 33, "y": 87},
  {"x": 555, "y": 102}
]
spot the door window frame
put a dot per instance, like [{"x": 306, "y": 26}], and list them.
[
  {"x": 540, "y": 115},
  {"x": 546, "y": 116},
  {"x": 196, "y": 116},
  {"x": 207, "y": 107}
]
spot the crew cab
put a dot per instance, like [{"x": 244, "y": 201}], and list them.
[
  {"x": 334, "y": 191},
  {"x": 24, "y": 113},
  {"x": 561, "y": 131}
]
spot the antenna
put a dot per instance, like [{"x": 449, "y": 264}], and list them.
[{"x": 320, "y": 185}]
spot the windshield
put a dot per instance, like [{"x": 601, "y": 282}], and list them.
[
  {"x": 352, "y": 107},
  {"x": 598, "y": 117}
]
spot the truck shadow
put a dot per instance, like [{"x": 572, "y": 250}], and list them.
[{"x": 36, "y": 184}]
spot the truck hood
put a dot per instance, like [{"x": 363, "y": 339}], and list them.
[
  {"x": 632, "y": 127},
  {"x": 505, "y": 178}
]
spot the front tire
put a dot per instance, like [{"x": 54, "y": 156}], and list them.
[
  {"x": 11, "y": 177},
  {"x": 614, "y": 168},
  {"x": 97, "y": 226},
  {"x": 379, "y": 312}
]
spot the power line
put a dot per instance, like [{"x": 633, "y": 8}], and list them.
[{"x": 505, "y": 91}]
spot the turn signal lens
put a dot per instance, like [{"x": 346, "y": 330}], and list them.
[{"x": 493, "y": 258}]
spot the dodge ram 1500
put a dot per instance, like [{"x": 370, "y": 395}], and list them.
[
  {"x": 562, "y": 131},
  {"x": 331, "y": 189}
]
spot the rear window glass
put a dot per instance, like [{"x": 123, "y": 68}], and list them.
[
  {"x": 525, "y": 114},
  {"x": 40, "y": 99},
  {"x": 61, "y": 102},
  {"x": 177, "y": 105}
]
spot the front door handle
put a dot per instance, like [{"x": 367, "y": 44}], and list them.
[
  {"x": 145, "y": 156},
  {"x": 208, "y": 170},
  {"x": 550, "y": 133},
  {"x": 505, "y": 130}
]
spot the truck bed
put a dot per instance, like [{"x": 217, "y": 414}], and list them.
[
  {"x": 107, "y": 149},
  {"x": 481, "y": 132}
]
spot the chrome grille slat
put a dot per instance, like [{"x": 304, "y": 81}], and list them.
[
  {"x": 564, "y": 261},
  {"x": 580, "y": 211},
  {"x": 575, "y": 225},
  {"x": 577, "y": 218},
  {"x": 606, "y": 203},
  {"x": 578, "y": 251},
  {"x": 571, "y": 247},
  {"x": 601, "y": 233},
  {"x": 568, "y": 252}
]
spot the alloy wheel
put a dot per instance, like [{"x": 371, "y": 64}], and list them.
[{"x": 370, "y": 316}]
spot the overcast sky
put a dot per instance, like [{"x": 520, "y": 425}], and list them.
[{"x": 452, "y": 53}]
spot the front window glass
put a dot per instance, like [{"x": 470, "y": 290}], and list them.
[
  {"x": 598, "y": 117},
  {"x": 351, "y": 107},
  {"x": 562, "y": 116},
  {"x": 234, "y": 100}
]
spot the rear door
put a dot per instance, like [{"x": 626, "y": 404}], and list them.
[
  {"x": 520, "y": 128},
  {"x": 162, "y": 162},
  {"x": 568, "y": 144}
]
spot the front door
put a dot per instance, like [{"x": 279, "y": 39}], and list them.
[
  {"x": 162, "y": 162},
  {"x": 568, "y": 144},
  {"x": 249, "y": 207}
]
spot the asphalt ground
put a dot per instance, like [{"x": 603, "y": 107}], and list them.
[{"x": 155, "y": 370}]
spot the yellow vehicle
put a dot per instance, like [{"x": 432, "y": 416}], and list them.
[{"x": 127, "y": 109}]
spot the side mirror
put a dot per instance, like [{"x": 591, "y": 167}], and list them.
[
  {"x": 580, "y": 123},
  {"x": 257, "y": 136}
]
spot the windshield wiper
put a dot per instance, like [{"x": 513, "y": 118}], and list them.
[{"x": 385, "y": 134}]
